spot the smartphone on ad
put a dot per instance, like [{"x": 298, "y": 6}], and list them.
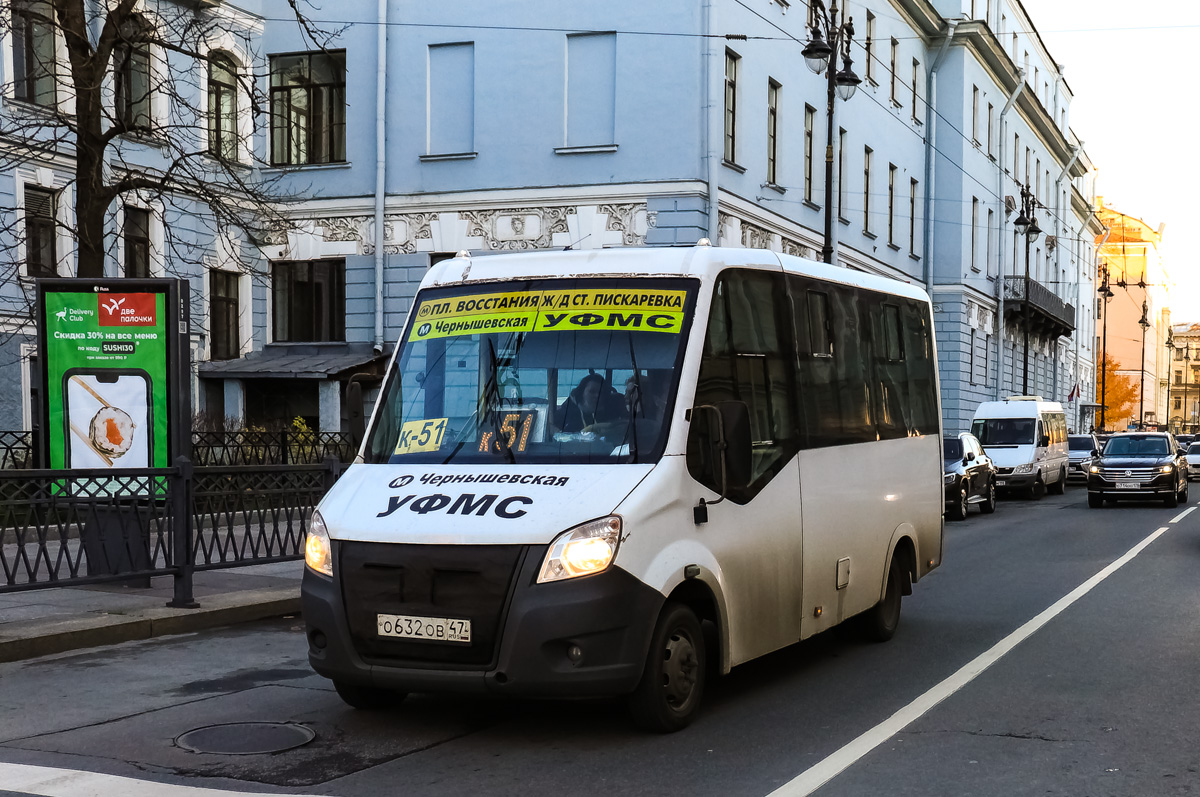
[{"x": 108, "y": 418}]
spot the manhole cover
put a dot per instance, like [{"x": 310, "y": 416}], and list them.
[{"x": 245, "y": 738}]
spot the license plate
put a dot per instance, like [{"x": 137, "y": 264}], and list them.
[
  {"x": 1000, "y": 482},
  {"x": 433, "y": 629},
  {"x": 1129, "y": 485}
]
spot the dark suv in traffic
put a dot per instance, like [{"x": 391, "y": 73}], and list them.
[
  {"x": 969, "y": 476},
  {"x": 1140, "y": 466}
]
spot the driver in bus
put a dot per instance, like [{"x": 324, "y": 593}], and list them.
[{"x": 586, "y": 406}]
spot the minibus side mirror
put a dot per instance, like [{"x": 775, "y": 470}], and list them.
[
  {"x": 970, "y": 457},
  {"x": 1044, "y": 441},
  {"x": 739, "y": 464}
]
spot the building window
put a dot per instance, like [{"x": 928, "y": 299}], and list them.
[
  {"x": 975, "y": 115},
  {"x": 308, "y": 300},
  {"x": 841, "y": 173},
  {"x": 223, "y": 308},
  {"x": 137, "y": 242},
  {"x": 895, "y": 55},
  {"x": 308, "y": 108},
  {"x": 990, "y": 122},
  {"x": 33, "y": 52},
  {"x": 1178, "y": 402},
  {"x": 974, "y": 231},
  {"x": 772, "y": 132},
  {"x": 912, "y": 217},
  {"x": 891, "y": 204},
  {"x": 869, "y": 45},
  {"x": 131, "y": 68},
  {"x": 916, "y": 70},
  {"x": 731, "y": 69},
  {"x": 41, "y": 233},
  {"x": 987, "y": 358},
  {"x": 810, "y": 117},
  {"x": 867, "y": 189},
  {"x": 222, "y": 108},
  {"x": 987, "y": 261},
  {"x": 971, "y": 359}
]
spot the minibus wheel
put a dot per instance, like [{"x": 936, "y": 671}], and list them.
[
  {"x": 879, "y": 623},
  {"x": 368, "y": 698},
  {"x": 672, "y": 682}
]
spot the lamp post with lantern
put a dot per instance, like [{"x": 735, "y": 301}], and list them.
[
  {"x": 828, "y": 39},
  {"x": 1144, "y": 323},
  {"x": 1026, "y": 225}
]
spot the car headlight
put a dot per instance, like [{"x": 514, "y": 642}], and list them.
[
  {"x": 318, "y": 553},
  {"x": 1023, "y": 469},
  {"x": 1168, "y": 468},
  {"x": 583, "y": 550},
  {"x": 1094, "y": 469},
  {"x": 949, "y": 478}
]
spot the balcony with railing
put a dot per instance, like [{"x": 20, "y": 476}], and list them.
[{"x": 1047, "y": 312}]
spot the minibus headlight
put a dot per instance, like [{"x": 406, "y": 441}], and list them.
[
  {"x": 583, "y": 550},
  {"x": 1027, "y": 468},
  {"x": 317, "y": 551}
]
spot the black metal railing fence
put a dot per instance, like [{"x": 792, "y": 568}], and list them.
[{"x": 62, "y": 528}]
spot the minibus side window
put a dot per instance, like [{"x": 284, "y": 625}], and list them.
[{"x": 747, "y": 357}]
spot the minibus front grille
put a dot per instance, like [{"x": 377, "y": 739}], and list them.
[{"x": 464, "y": 582}]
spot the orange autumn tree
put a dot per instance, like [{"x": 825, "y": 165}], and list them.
[{"x": 1119, "y": 396}]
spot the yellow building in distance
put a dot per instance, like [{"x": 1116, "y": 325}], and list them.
[{"x": 1133, "y": 270}]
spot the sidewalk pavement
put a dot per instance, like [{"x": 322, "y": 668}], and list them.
[{"x": 44, "y": 621}]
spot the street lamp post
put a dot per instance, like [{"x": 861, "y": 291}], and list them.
[
  {"x": 829, "y": 37},
  {"x": 1106, "y": 294},
  {"x": 1027, "y": 226},
  {"x": 1170, "y": 355},
  {"x": 1144, "y": 323},
  {"x": 1187, "y": 362}
]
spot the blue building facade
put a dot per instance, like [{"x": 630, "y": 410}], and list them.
[{"x": 419, "y": 130}]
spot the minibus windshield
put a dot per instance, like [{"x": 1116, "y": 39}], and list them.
[
  {"x": 1004, "y": 431},
  {"x": 536, "y": 371}
]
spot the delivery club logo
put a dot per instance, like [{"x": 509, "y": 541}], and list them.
[{"x": 127, "y": 309}]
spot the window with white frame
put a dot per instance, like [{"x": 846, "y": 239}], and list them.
[
  {"x": 773, "y": 132},
  {"x": 222, "y": 107},
  {"x": 810, "y": 117},
  {"x": 132, "y": 78},
  {"x": 731, "y": 70},
  {"x": 223, "y": 306},
  {"x": 867, "y": 153},
  {"x": 895, "y": 77},
  {"x": 974, "y": 231},
  {"x": 33, "y": 48},
  {"x": 912, "y": 217},
  {"x": 308, "y": 108},
  {"x": 41, "y": 232},
  {"x": 137, "y": 242},
  {"x": 869, "y": 47},
  {"x": 891, "y": 204}
]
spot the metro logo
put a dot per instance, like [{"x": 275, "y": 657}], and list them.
[{"x": 126, "y": 309}]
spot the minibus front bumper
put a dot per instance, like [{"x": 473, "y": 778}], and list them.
[{"x": 581, "y": 637}]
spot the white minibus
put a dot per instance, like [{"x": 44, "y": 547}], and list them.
[
  {"x": 619, "y": 472},
  {"x": 1026, "y": 436}
]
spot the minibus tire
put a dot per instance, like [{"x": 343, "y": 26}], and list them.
[
  {"x": 368, "y": 698},
  {"x": 879, "y": 623},
  {"x": 1038, "y": 490},
  {"x": 1060, "y": 486},
  {"x": 672, "y": 685}
]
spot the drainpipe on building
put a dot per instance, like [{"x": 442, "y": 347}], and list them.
[
  {"x": 1000, "y": 244},
  {"x": 931, "y": 151},
  {"x": 715, "y": 117},
  {"x": 380, "y": 166}
]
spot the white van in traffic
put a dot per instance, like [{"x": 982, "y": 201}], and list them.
[
  {"x": 1026, "y": 436},
  {"x": 610, "y": 472}
]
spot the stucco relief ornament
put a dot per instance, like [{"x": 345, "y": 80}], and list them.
[
  {"x": 621, "y": 219},
  {"x": 343, "y": 228},
  {"x": 518, "y": 225},
  {"x": 755, "y": 237}
]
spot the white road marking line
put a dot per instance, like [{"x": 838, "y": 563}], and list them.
[
  {"x": 821, "y": 773},
  {"x": 55, "y": 782},
  {"x": 1183, "y": 514}
]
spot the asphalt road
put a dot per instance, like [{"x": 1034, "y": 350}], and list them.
[{"x": 1097, "y": 697}]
